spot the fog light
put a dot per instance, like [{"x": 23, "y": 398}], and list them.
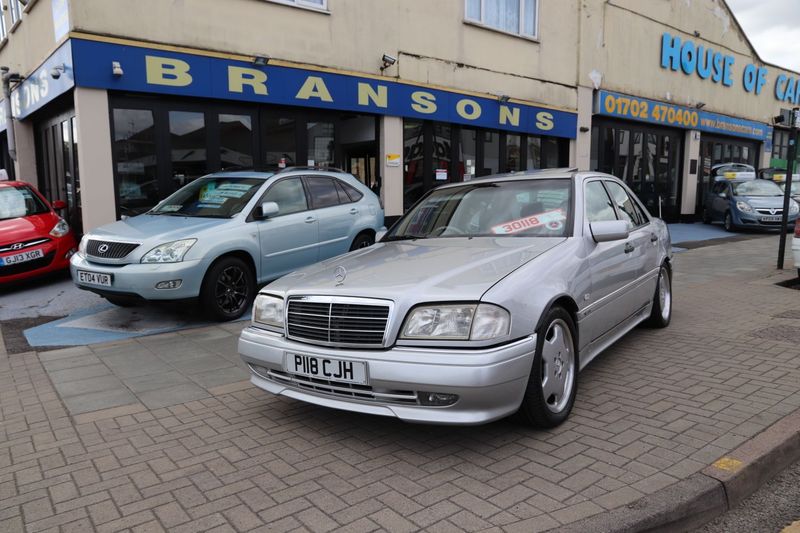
[
  {"x": 171, "y": 284},
  {"x": 437, "y": 398}
]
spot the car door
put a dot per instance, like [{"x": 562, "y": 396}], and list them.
[
  {"x": 337, "y": 216},
  {"x": 289, "y": 240},
  {"x": 641, "y": 247},
  {"x": 720, "y": 199}
]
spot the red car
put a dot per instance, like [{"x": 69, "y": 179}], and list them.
[{"x": 34, "y": 240}]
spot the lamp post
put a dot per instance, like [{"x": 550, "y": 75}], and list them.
[{"x": 795, "y": 118}]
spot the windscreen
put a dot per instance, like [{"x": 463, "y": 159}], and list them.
[
  {"x": 530, "y": 208},
  {"x": 756, "y": 188},
  {"x": 16, "y": 202},
  {"x": 212, "y": 197}
]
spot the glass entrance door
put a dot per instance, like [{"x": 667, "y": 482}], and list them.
[
  {"x": 57, "y": 159},
  {"x": 647, "y": 159},
  {"x": 716, "y": 150}
]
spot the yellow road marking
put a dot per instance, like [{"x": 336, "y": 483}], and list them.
[{"x": 728, "y": 464}]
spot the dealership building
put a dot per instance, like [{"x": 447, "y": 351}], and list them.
[{"x": 118, "y": 103}]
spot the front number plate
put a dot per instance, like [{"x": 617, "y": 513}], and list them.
[
  {"x": 21, "y": 258},
  {"x": 771, "y": 219},
  {"x": 94, "y": 278},
  {"x": 329, "y": 369}
]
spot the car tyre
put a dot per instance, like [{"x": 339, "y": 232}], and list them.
[
  {"x": 706, "y": 216},
  {"x": 553, "y": 380},
  {"x": 228, "y": 289},
  {"x": 728, "y": 222},
  {"x": 362, "y": 240},
  {"x": 121, "y": 301},
  {"x": 661, "y": 313}
]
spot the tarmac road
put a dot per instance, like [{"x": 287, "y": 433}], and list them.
[{"x": 768, "y": 510}]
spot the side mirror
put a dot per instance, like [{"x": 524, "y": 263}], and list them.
[
  {"x": 380, "y": 234},
  {"x": 267, "y": 209},
  {"x": 609, "y": 230},
  {"x": 58, "y": 205}
]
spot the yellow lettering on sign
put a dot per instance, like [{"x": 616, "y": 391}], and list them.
[
  {"x": 314, "y": 87},
  {"x": 544, "y": 120},
  {"x": 366, "y": 94},
  {"x": 424, "y": 102},
  {"x": 474, "y": 109},
  {"x": 508, "y": 114},
  {"x": 167, "y": 71},
  {"x": 238, "y": 77}
]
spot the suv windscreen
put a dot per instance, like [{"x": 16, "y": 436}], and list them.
[
  {"x": 16, "y": 202},
  {"x": 211, "y": 197},
  {"x": 530, "y": 208}
]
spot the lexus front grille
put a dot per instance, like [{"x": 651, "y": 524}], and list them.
[{"x": 109, "y": 249}]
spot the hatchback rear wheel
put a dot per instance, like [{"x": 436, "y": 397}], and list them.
[{"x": 228, "y": 289}]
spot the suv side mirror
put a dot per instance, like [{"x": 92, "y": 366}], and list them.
[
  {"x": 58, "y": 205},
  {"x": 609, "y": 230},
  {"x": 266, "y": 210}
]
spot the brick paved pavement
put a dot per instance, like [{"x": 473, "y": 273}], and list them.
[{"x": 655, "y": 408}]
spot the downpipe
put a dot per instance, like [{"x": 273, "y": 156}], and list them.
[{"x": 8, "y": 78}]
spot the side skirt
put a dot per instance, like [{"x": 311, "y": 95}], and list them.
[{"x": 597, "y": 346}]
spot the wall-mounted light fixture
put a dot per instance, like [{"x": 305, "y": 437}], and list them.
[
  {"x": 388, "y": 61},
  {"x": 116, "y": 69},
  {"x": 503, "y": 98},
  {"x": 261, "y": 61}
]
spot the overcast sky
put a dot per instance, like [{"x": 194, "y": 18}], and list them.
[{"x": 773, "y": 26}]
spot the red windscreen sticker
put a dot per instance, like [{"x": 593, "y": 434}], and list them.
[{"x": 552, "y": 220}]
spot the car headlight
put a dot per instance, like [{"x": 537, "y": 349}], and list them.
[
  {"x": 457, "y": 322},
  {"x": 60, "y": 229},
  {"x": 268, "y": 311},
  {"x": 794, "y": 208},
  {"x": 170, "y": 252},
  {"x": 744, "y": 207}
]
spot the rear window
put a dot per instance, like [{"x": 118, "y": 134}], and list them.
[{"x": 16, "y": 202}]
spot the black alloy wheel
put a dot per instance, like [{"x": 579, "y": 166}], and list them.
[
  {"x": 362, "y": 240},
  {"x": 228, "y": 289}
]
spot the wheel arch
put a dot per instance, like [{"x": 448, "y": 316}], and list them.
[
  {"x": 239, "y": 254},
  {"x": 566, "y": 302}
]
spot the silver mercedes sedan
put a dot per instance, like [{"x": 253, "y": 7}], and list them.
[{"x": 484, "y": 300}]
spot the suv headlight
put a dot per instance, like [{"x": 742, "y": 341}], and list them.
[
  {"x": 475, "y": 322},
  {"x": 744, "y": 207},
  {"x": 60, "y": 229},
  {"x": 794, "y": 208},
  {"x": 268, "y": 311},
  {"x": 170, "y": 252}
]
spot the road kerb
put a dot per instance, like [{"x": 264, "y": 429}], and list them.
[{"x": 701, "y": 497}]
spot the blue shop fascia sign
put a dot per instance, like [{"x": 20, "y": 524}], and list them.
[
  {"x": 651, "y": 111},
  {"x": 159, "y": 71}
]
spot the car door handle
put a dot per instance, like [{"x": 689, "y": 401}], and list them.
[
  {"x": 628, "y": 247},
  {"x": 354, "y": 211},
  {"x": 309, "y": 220}
]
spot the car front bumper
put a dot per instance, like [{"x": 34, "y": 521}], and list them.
[
  {"x": 140, "y": 279},
  {"x": 750, "y": 220},
  {"x": 56, "y": 258},
  {"x": 490, "y": 383}
]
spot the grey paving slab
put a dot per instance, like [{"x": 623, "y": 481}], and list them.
[
  {"x": 94, "y": 384},
  {"x": 161, "y": 380},
  {"x": 222, "y": 376},
  {"x": 82, "y": 372},
  {"x": 172, "y": 395},
  {"x": 70, "y": 362},
  {"x": 65, "y": 353},
  {"x": 93, "y": 401},
  {"x": 201, "y": 364},
  {"x": 135, "y": 364}
]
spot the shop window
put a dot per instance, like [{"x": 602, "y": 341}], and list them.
[
  {"x": 236, "y": 141},
  {"x": 442, "y": 144},
  {"x": 519, "y": 17},
  {"x": 320, "y": 144},
  {"x": 467, "y": 154},
  {"x": 135, "y": 157},
  {"x": 491, "y": 153},
  {"x": 513, "y": 159},
  {"x": 413, "y": 161},
  {"x": 551, "y": 153},
  {"x": 16, "y": 11},
  {"x": 279, "y": 140},
  {"x": 187, "y": 132}
]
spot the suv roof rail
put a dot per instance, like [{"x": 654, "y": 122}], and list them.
[{"x": 324, "y": 169}]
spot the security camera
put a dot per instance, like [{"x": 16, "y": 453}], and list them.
[
  {"x": 116, "y": 69},
  {"x": 55, "y": 73},
  {"x": 388, "y": 61}
]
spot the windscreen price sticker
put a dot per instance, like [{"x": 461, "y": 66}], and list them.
[{"x": 553, "y": 220}]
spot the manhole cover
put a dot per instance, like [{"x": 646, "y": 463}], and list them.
[
  {"x": 791, "y": 314},
  {"x": 778, "y": 333}
]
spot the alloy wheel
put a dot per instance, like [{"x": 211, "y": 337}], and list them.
[
  {"x": 664, "y": 294},
  {"x": 558, "y": 366},
  {"x": 231, "y": 289}
]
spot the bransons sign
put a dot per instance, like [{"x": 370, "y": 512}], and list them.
[
  {"x": 188, "y": 74},
  {"x": 709, "y": 64}
]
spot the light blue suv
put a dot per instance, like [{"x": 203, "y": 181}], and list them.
[{"x": 221, "y": 235}]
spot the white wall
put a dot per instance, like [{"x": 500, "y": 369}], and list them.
[{"x": 391, "y": 142}]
